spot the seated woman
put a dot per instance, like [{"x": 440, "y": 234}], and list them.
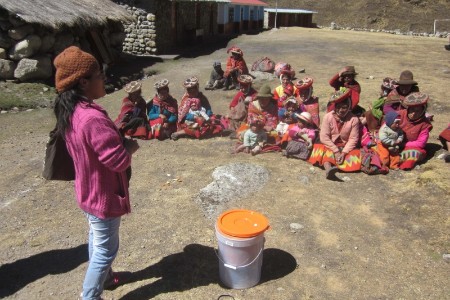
[
  {"x": 264, "y": 108},
  {"x": 240, "y": 102},
  {"x": 132, "y": 120},
  {"x": 286, "y": 89},
  {"x": 236, "y": 66},
  {"x": 307, "y": 101},
  {"x": 346, "y": 78},
  {"x": 403, "y": 87},
  {"x": 416, "y": 128},
  {"x": 162, "y": 111},
  {"x": 339, "y": 135},
  {"x": 208, "y": 127}
]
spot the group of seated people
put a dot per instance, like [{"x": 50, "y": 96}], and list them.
[{"x": 391, "y": 134}]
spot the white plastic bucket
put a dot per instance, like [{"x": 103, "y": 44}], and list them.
[{"x": 240, "y": 260}]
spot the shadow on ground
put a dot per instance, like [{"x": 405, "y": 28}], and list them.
[
  {"x": 17, "y": 275},
  {"x": 198, "y": 265}
]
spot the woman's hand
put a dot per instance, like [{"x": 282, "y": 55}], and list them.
[
  {"x": 339, "y": 157},
  {"x": 162, "y": 116},
  {"x": 130, "y": 145}
]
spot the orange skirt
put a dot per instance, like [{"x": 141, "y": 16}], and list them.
[{"x": 321, "y": 154}]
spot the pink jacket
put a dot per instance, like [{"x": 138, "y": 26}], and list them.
[
  {"x": 349, "y": 132},
  {"x": 100, "y": 159}
]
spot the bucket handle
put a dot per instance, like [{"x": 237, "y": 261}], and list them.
[{"x": 238, "y": 267}]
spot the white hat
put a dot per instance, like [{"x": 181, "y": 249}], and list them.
[
  {"x": 305, "y": 116},
  {"x": 132, "y": 87}
]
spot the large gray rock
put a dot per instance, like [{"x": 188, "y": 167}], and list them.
[
  {"x": 7, "y": 69},
  {"x": 5, "y": 41},
  {"x": 34, "y": 69},
  {"x": 25, "y": 48},
  {"x": 231, "y": 182},
  {"x": 48, "y": 41},
  {"x": 2, "y": 53},
  {"x": 21, "y": 32}
]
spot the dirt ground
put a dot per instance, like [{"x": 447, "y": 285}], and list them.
[{"x": 371, "y": 237}]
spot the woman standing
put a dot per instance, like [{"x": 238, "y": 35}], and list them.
[
  {"x": 100, "y": 157},
  {"x": 163, "y": 111}
]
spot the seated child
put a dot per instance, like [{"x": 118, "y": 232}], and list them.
[
  {"x": 216, "y": 78},
  {"x": 197, "y": 111},
  {"x": 132, "y": 120},
  {"x": 302, "y": 136},
  {"x": 287, "y": 115},
  {"x": 254, "y": 139},
  {"x": 391, "y": 137}
]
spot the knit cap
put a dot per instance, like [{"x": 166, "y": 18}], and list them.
[
  {"x": 390, "y": 117},
  {"x": 71, "y": 65}
]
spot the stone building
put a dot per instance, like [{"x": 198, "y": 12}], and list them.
[{"x": 33, "y": 32}]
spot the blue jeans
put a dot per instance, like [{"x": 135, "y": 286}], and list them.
[{"x": 103, "y": 247}]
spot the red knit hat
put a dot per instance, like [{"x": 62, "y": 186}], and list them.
[{"x": 71, "y": 65}]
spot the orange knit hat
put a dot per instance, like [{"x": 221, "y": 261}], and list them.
[{"x": 71, "y": 65}]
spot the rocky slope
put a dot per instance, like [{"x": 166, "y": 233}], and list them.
[{"x": 406, "y": 15}]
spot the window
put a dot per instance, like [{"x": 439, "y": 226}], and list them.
[{"x": 231, "y": 14}]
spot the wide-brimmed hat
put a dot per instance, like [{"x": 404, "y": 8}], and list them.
[
  {"x": 191, "y": 82},
  {"x": 236, "y": 50},
  {"x": 287, "y": 71},
  {"x": 304, "y": 117},
  {"x": 406, "y": 77},
  {"x": 349, "y": 70},
  {"x": 393, "y": 98},
  {"x": 133, "y": 87},
  {"x": 415, "y": 99},
  {"x": 245, "y": 79},
  {"x": 265, "y": 92},
  {"x": 304, "y": 83},
  {"x": 340, "y": 95},
  {"x": 161, "y": 84}
]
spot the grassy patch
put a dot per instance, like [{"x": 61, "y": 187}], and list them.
[{"x": 25, "y": 95}]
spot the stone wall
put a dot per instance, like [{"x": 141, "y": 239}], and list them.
[
  {"x": 152, "y": 33},
  {"x": 27, "y": 50}
]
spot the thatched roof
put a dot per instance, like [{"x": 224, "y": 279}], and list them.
[{"x": 67, "y": 13}]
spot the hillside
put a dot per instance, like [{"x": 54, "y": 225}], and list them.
[{"x": 406, "y": 15}]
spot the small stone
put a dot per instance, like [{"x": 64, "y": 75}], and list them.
[
  {"x": 302, "y": 71},
  {"x": 323, "y": 266},
  {"x": 280, "y": 289},
  {"x": 356, "y": 248},
  {"x": 28, "y": 110},
  {"x": 345, "y": 178},
  {"x": 417, "y": 167},
  {"x": 296, "y": 226},
  {"x": 45, "y": 89},
  {"x": 4, "y": 112},
  {"x": 371, "y": 77},
  {"x": 446, "y": 257},
  {"x": 441, "y": 156},
  {"x": 303, "y": 179},
  {"x": 312, "y": 170}
]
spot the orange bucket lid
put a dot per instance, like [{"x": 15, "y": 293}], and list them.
[{"x": 242, "y": 223}]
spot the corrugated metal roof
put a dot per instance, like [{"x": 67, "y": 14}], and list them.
[
  {"x": 249, "y": 2},
  {"x": 290, "y": 11}
]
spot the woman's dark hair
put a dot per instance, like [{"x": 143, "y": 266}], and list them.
[{"x": 64, "y": 107}]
